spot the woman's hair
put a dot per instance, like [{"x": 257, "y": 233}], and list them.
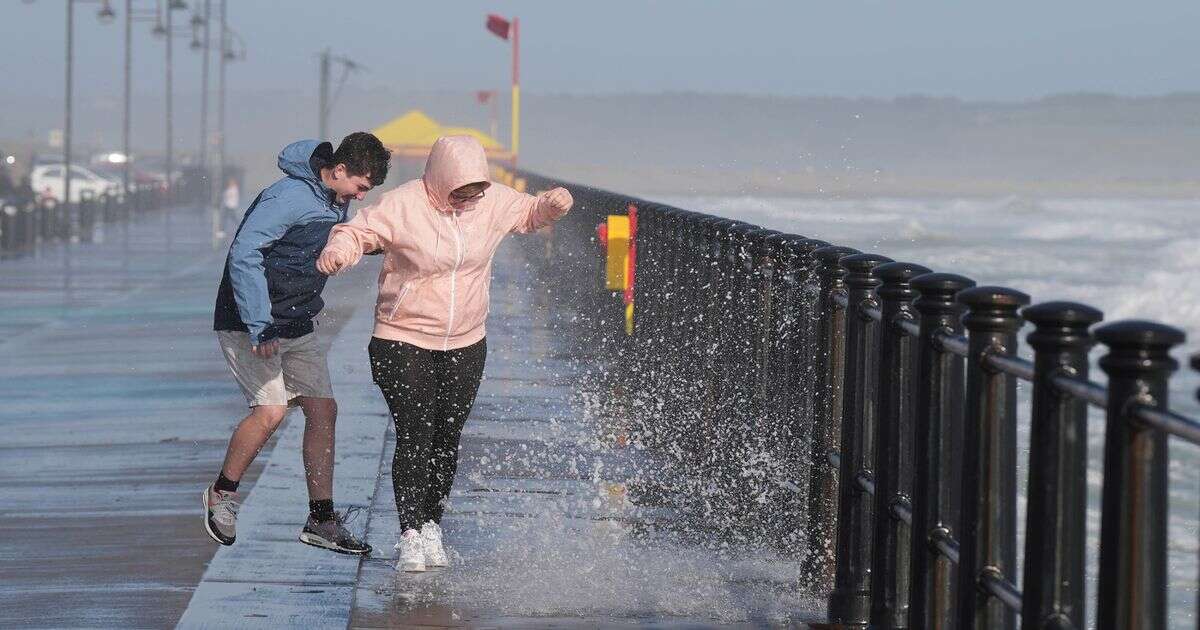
[{"x": 363, "y": 154}]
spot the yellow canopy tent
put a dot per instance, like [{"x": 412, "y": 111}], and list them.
[{"x": 412, "y": 135}]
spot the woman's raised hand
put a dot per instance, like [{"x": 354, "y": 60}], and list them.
[{"x": 560, "y": 199}]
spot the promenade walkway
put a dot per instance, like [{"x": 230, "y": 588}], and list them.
[{"x": 117, "y": 405}]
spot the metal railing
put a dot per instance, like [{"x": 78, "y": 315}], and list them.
[
  {"x": 28, "y": 225},
  {"x": 893, "y": 391}
]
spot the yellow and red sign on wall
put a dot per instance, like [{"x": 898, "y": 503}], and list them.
[{"x": 619, "y": 235}]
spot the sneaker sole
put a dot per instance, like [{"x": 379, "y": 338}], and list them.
[
  {"x": 321, "y": 543},
  {"x": 208, "y": 526},
  {"x": 411, "y": 568}
]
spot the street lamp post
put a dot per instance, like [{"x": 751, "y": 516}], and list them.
[
  {"x": 105, "y": 15},
  {"x": 205, "y": 47},
  {"x": 221, "y": 119},
  {"x": 66, "y": 140}
]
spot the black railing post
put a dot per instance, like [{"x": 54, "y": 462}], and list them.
[
  {"x": 1195, "y": 362},
  {"x": 851, "y": 598},
  {"x": 893, "y": 446},
  {"x": 1133, "y": 524},
  {"x": 938, "y": 443},
  {"x": 989, "y": 474},
  {"x": 817, "y": 572},
  {"x": 1055, "y": 532}
]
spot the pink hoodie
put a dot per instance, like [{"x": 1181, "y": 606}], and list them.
[{"x": 437, "y": 266}]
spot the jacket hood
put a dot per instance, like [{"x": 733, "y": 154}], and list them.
[
  {"x": 304, "y": 158},
  {"x": 454, "y": 161}
]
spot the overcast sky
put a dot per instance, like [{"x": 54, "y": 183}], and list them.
[{"x": 1012, "y": 50}]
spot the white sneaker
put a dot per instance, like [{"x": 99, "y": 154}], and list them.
[
  {"x": 431, "y": 535},
  {"x": 412, "y": 551}
]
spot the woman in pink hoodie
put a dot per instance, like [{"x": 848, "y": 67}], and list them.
[{"x": 438, "y": 235}]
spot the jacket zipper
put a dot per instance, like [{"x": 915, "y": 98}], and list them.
[
  {"x": 458, "y": 256},
  {"x": 400, "y": 298}
]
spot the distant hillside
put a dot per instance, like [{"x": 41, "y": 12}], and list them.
[{"x": 1084, "y": 144}]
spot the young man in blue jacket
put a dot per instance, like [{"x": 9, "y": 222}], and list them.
[{"x": 269, "y": 294}]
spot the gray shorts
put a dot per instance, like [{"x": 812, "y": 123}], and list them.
[{"x": 299, "y": 368}]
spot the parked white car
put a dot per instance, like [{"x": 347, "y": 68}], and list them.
[{"x": 47, "y": 181}]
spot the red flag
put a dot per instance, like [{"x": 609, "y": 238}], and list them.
[{"x": 498, "y": 25}]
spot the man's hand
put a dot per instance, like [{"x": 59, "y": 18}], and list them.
[
  {"x": 331, "y": 263},
  {"x": 560, "y": 199},
  {"x": 266, "y": 350}
]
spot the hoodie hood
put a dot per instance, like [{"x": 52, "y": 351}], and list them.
[
  {"x": 454, "y": 161},
  {"x": 303, "y": 159}
]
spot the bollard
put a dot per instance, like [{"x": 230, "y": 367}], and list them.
[
  {"x": 785, "y": 341},
  {"x": 818, "y": 568},
  {"x": 937, "y": 439},
  {"x": 891, "y": 544},
  {"x": 9, "y": 222},
  {"x": 760, "y": 312},
  {"x": 850, "y": 599},
  {"x": 1133, "y": 528},
  {"x": 989, "y": 474},
  {"x": 1055, "y": 529},
  {"x": 29, "y": 226}
]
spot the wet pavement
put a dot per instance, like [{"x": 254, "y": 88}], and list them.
[{"x": 117, "y": 407}]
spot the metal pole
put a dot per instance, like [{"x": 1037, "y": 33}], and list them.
[
  {"x": 125, "y": 172},
  {"x": 170, "y": 105},
  {"x": 323, "y": 97},
  {"x": 988, "y": 544},
  {"x": 516, "y": 90},
  {"x": 890, "y": 562},
  {"x": 937, "y": 430},
  {"x": 221, "y": 117},
  {"x": 850, "y": 603},
  {"x": 67, "y": 116},
  {"x": 126, "y": 200},
  {"x": 1055, "y": 532},
  {"x": 1133, "y": 528},
  {"x": 203, "y": 157},
  {"x": 170, "y": 166},
  {"x": 817, "y": 572}
]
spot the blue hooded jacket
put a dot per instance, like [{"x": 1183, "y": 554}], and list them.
[{"x": 271, "y": 287}]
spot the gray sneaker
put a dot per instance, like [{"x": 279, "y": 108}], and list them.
[
  {"x": 220, "y": 515},
  {"x": 333, "y": 535}
]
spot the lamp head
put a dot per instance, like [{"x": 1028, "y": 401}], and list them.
[{"x": 106, "y": 14}]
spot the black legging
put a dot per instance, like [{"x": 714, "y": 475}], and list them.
[{"x": 430, "y": 394}]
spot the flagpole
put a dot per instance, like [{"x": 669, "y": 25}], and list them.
[{"x": 516, "y": 90}]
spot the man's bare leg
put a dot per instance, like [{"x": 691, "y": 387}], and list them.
[
  {"x": 320, "y": 420},
  {"x": 249, "y": 438}
]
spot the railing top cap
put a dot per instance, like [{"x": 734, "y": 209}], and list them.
[
  {"x": 777, "y": 238},
  {"x": 1137, "y": 332},
  {"x": 1062, "y": 314},
  {"x": 762, "y": 234},
  {"x": 741, "y": 228},
  {"x": 941, "y": 283},
  {"x": 800, "y": 245},
  {"x": 899, "y": 272},
  {"x": 992, "y": 296},
  {"x": 833, "y": 253},
  {"x": 863, "y": 263}
]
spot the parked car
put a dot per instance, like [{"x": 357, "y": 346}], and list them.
[{"x": 47, "y": 181}]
